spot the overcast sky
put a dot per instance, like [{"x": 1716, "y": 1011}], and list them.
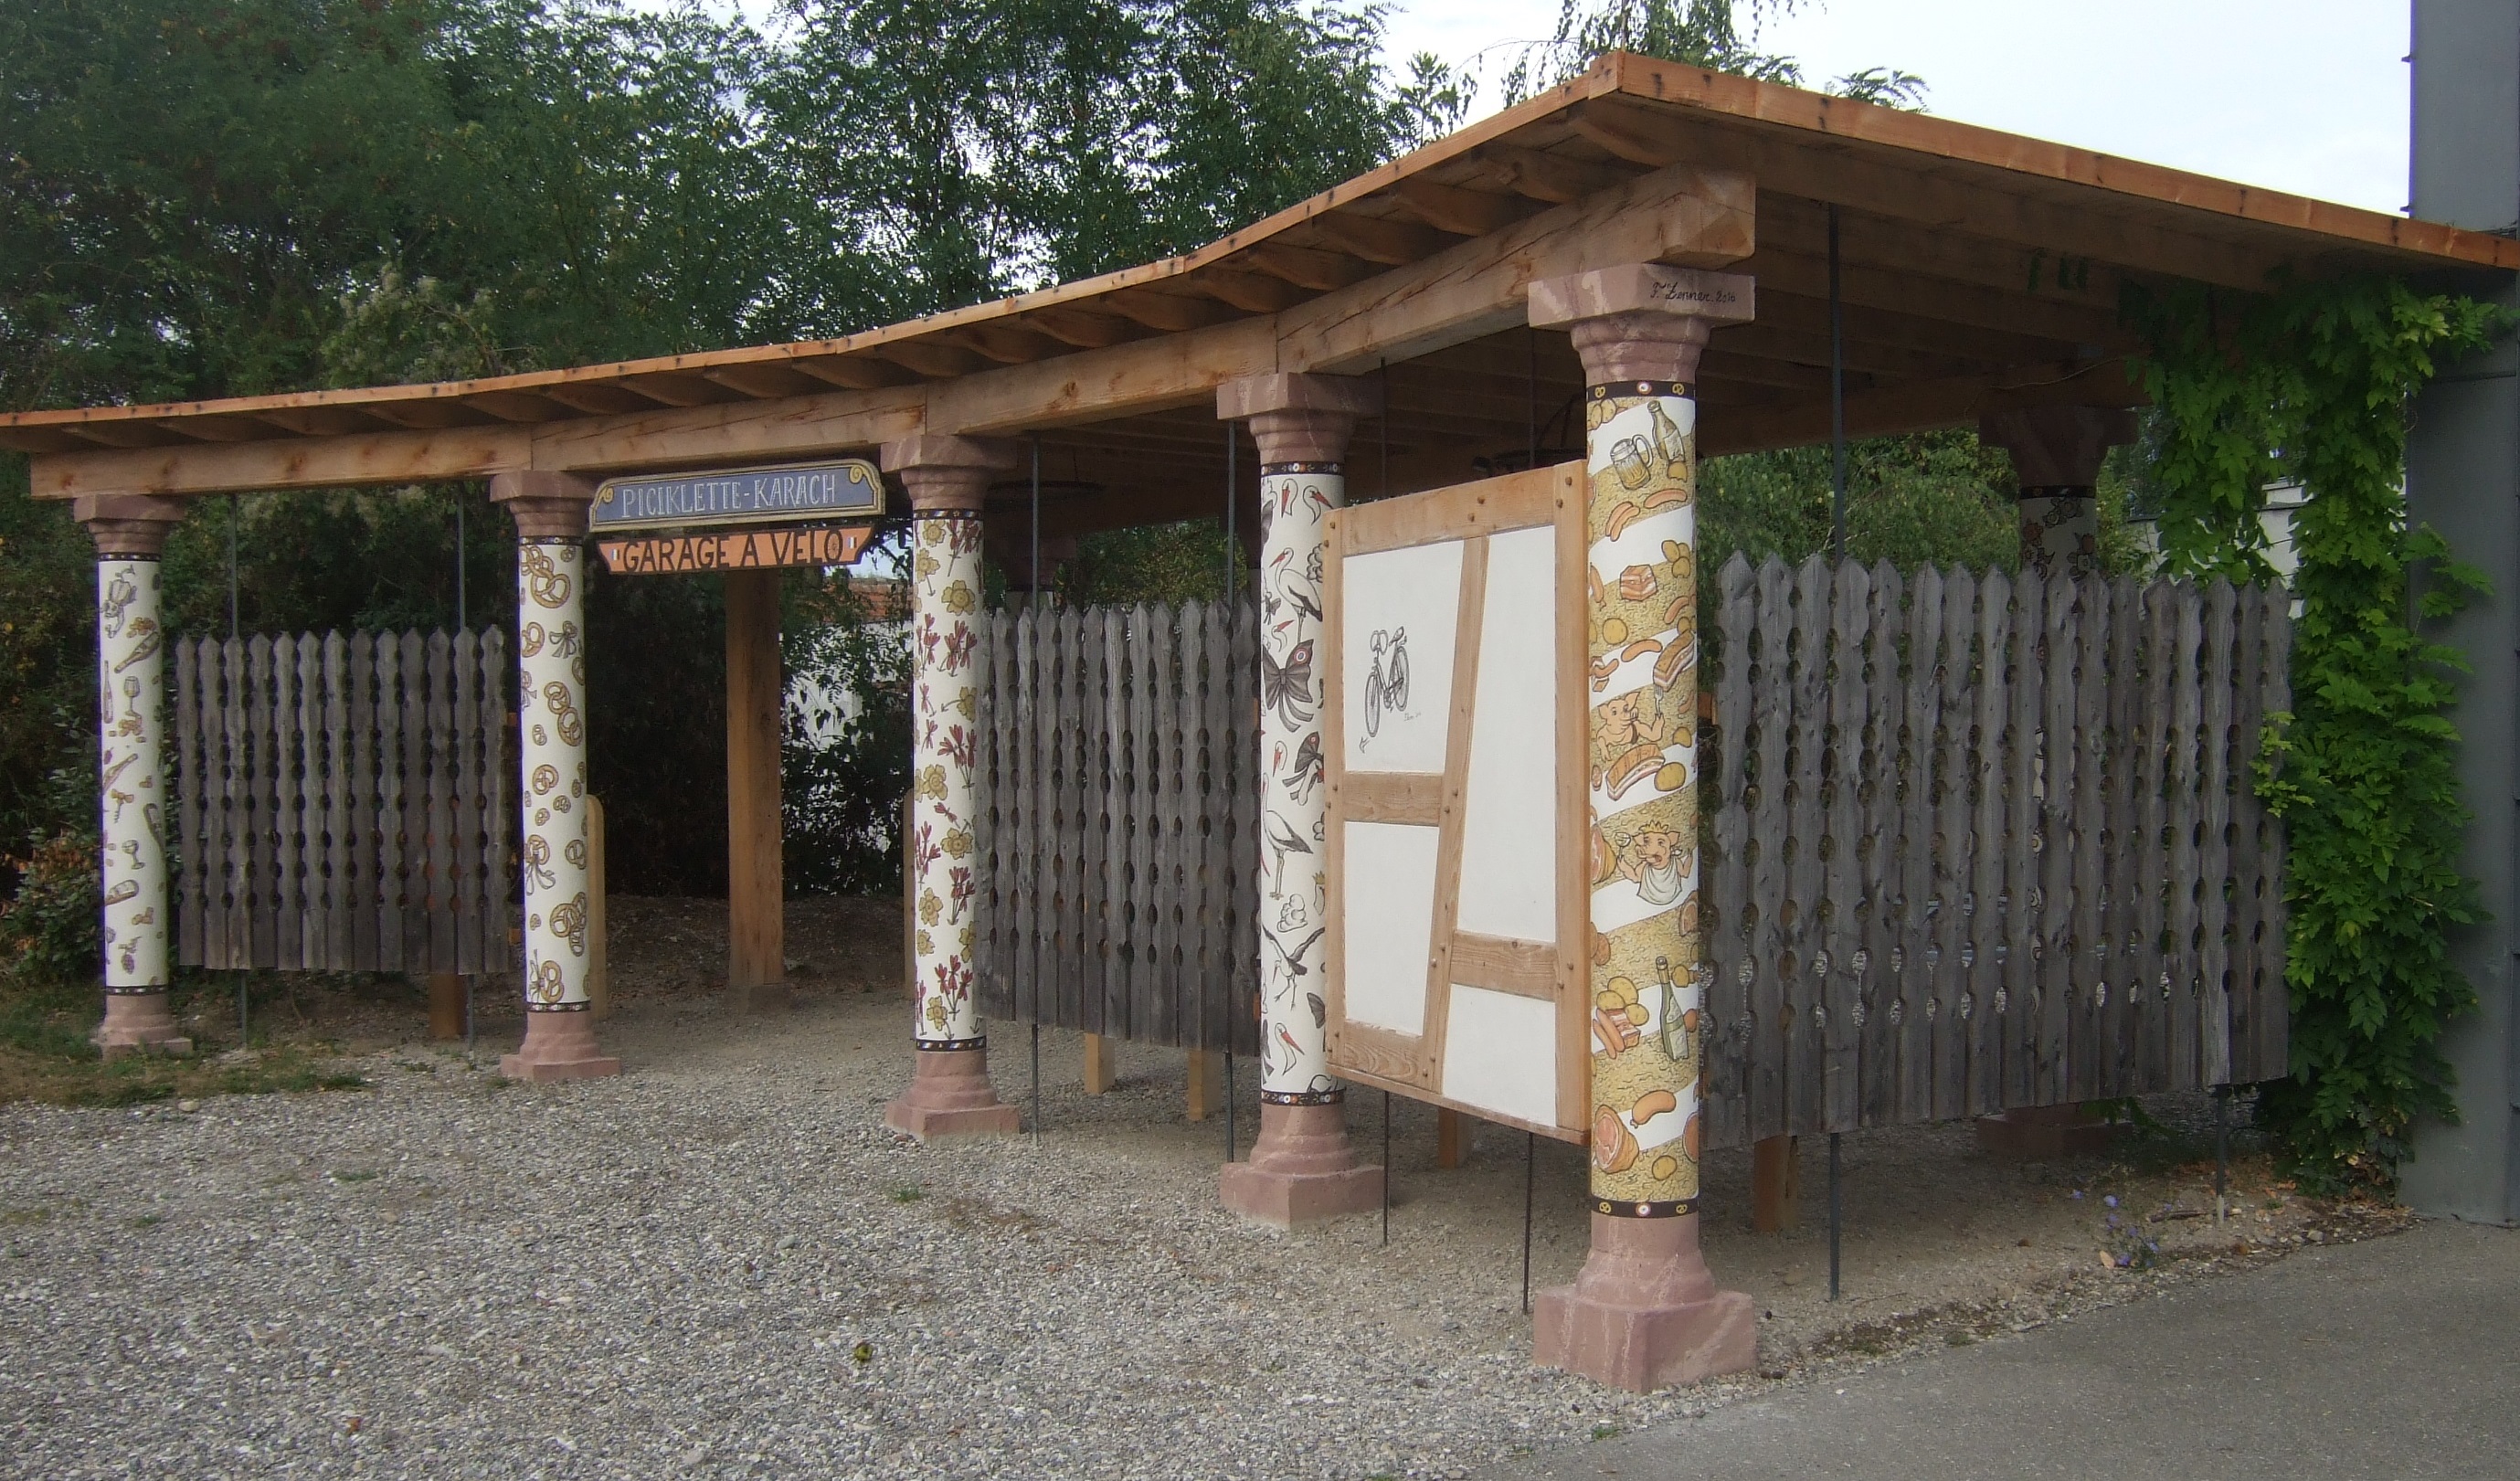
[{"x": 2306, "y": 96}]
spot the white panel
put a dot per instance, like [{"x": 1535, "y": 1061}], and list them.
[
  {"x": 1501, "y": 1053},
  {"x": 1399, "y": 703},
  {"x": 1390, "y": 895},
  {"x": 1510, "y": 823}
]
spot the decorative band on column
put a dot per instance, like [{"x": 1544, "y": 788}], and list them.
[
  {"x": 1671, "y": 1210},
  {"x": 1332, "y": 1096},
  {"x": 1288, "y": 469},
  {"x": 2058, "y": 491},
  {"x": 1617, "y": 388},
  {"x": 558, "y": 1007},
  {"x": 112, "y": 991},
  {"x": 941, "y": 1046}
]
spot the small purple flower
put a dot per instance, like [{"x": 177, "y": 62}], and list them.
[
  {"x": 2111, "y": 1200},
  {"x": 2075, "y": 1194}
]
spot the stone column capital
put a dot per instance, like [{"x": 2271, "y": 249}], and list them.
[
  {"x": 2059, "y": 446},
  {"x": 1641, "y": 321},
  {"x": 1299, "y": 418},
  {"x": 943, "y": 471},
  {"x": 547, "y": 505},
  {"x": 129, "y": 525}
]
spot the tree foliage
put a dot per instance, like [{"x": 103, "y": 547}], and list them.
[{"x": 2314, "y": 383}]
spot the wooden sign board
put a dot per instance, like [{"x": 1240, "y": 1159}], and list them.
[
  {"x": 1456, "y": 841},
  {"x": 750, "y": 550},
  {"x": 844, "y": 488}
]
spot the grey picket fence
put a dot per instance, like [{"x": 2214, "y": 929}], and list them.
[
  {"x": 1976, "y": 843},
  {"x": 342, "y": 802},
  {"x": 1968, "y": 842},
  {"x": 1120, "y": 796}
]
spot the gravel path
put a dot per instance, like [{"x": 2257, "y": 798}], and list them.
[{"x": 720, "y": 1265}]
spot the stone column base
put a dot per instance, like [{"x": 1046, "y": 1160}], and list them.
[
  {"x": 1302, "y": 1169},
  {"x": 1644, "y": 1312},
  {"x": 2027, "y": 1133},
  {"x": 765, "y": 997},
  {"x": 139, "y": 1023},
  {"x": 558, "y": 1046},
  {"x": 950, "y": 1095}
]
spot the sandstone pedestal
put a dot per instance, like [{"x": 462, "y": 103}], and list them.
[
  {"x": 139, "y": 1023},
  {"x": 558, "y": 1046},
  {"x": 1644, "y": 1312},
  {"x": 950, "y": 1095},
  {"x": 1302, "y": 1169},
  {"x": 2030, "y": 1132}
]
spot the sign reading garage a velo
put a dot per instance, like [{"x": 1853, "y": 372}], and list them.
[{"x": 739, "y": 518}]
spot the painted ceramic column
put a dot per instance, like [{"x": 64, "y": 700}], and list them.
[
  {"x": 948, "y": 480},
  {"x": 1302, "y": 1168},
  {"x": 130, "y": 531},
  {"x": 551, "y": 511},
  {"x": 1645, "y": 1312},
  {"x": 2056, "y": 452}
]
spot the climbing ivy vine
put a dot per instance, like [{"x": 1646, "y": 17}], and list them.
[{"x": 2314, "y": 383}]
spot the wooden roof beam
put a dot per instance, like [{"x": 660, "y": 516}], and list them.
[
  {"x": 673, "y": 389},
  {"x": 1874, "y": 180},
  {"x": 1307, "y": 267},
  {"x": 1552, "y": 178},
  {"x": 1376, "y": 238},
  {"x": 856, "y": 372},
  {"x": 1252, "y": 292},
  {"x": 1164, "y": 312},
  {"x": 767, "y": 381},
  {"x": 1083, "y": 328},
  {"x": 1462, "y": 212}
]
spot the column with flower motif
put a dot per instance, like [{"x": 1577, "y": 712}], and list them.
[
  {"x": 1302, "y": 1168},
  {"x": 550, "y": 512},
  {"x": 947, "y": 479},
  {"x": 130, "y": 532},
  {"x": 1643, "y": 1312}
]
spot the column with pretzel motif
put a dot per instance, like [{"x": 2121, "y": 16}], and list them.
[
  {"x": 130, "y": 532},
  {"x": 1645, "y": 1312},
  {"x": 1302, "y": 1169},
  {"x": 550, "y": 510},
  {"x": 948, "y": 480}
]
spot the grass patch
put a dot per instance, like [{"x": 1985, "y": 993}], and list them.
[
  {"x": 357, "y": 1174},
  {"x": 18, "y": 1218},
  {"x": 907, "y": 1193}
]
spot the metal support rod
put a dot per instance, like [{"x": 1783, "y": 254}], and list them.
[
  {"x": 1232, "y": 455},
  {"x": 1387, "y": 1168},
  {"x": 1531, "y": 398},
  {"x": 1036, "y": 1082},
  {"x": 468, "y": 982},
  {"x": 1032, "y": 572},
  {"x": 1836, "y": 400},
  {"x": 1530, "y": 1154},
  {"x": 1385, "y": 491},
  {"x": 462, "y": 610},
  {"x": 2221, "y": 1151},
  {"x": 1229, "y": 1106},
  {"x": 1836, "y": 1215},
  {"x": 244, "y": 1013}
]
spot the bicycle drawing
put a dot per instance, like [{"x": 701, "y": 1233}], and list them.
[{"x": 1387, "y": 685}]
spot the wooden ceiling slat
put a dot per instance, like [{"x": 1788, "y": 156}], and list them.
[
  {"x": 1462, "y": 212},
  {"x": 764, "y": 383},
  {"x": 1165, "y": 312},
  {"x": 1307, "y": 267},
  {"x": 674, "y": 387},
  {"x": 1083, "y": 328},
  {"x": 854, "y": 373},
  {"x": 1252, "y": 292},
  {"x": 1376, "y": 238}
]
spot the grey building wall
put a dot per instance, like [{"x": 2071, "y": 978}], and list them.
[{"x": 2463, "y": 478}]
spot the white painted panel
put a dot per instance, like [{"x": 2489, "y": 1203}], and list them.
[
  {"x": 1412, "y": 599},
  {"x": 1509, "y": 822},
  {"x": 1501, "y": 1053},
  {"x": 1389, "y": 896}
]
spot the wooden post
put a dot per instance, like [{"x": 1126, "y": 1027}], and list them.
[
  {"x": 1206, "y": 1083},
  {"x": 1452, "y": 1138},
  {"x": 1100, "y": 1074},
  {"x": 445, "y": 1005},
  {"x": 1776, "y": 1184},
  {"x": 598, "y": 953},
  {"x": 755, "y": 971}
]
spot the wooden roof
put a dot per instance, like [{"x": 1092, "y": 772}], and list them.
[{"x": 1978, "y": 266}]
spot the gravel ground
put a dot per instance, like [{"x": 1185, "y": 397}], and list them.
[{"x": 721, "y": 1265}]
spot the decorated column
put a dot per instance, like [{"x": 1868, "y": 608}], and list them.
[
  {"x": 1302, "y": 1168},
  {"x": 130, "y": 531},
  {"x": 1643, "y": 1312},
  {"x": 2056, "y": 452},
  {"x": 947, "y": 479},
  {"x": 549, "y": 510}
]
